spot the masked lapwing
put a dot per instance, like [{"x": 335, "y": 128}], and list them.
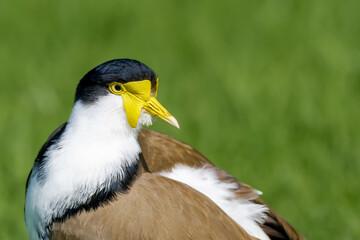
[{"x": 100, "y": 176}]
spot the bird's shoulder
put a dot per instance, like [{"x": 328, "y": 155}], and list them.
[
  {"x": 155, "y": 208},
  {"x": 163, "y": 152}
]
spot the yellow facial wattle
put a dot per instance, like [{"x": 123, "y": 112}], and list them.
[{"x": 137, "y": 96}]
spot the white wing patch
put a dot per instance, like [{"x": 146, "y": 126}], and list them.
[{"x": 205, "y": 180}]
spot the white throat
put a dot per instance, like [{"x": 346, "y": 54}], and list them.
[{"x": 97, "y": 146}]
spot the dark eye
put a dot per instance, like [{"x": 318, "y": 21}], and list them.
[{"x": 115, "y": 88}]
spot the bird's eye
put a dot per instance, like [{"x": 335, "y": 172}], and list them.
[{"x": 115, "y": 88}]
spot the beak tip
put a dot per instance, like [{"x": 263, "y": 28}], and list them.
[{"x": 174, "y": 122}]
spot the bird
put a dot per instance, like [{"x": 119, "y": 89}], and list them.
[{"x": 101, "y": 175}]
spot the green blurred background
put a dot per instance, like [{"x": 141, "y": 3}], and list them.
[{"x": 268, "y": 90}]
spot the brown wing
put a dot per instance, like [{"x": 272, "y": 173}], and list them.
[
  {"x": 155, "y": 208},
  {"x": 161, "y": 153}
]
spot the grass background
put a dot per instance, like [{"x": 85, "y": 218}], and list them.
[{"x": 268, "y": 90}]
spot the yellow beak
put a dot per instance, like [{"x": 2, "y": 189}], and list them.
[
  {"x": 154, "y": 108},
  {"x": 136, "y": 96}
]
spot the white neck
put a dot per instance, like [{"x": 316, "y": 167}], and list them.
[{"x": 96, "y": 147}]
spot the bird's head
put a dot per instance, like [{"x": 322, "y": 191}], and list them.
[{"x": 129, "y": 83}]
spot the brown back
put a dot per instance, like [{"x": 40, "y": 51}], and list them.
[
  {"x": 155, "y": 208},
  {"x": 162, "y": 152}
]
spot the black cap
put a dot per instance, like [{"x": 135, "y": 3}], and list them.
[{"x": 95, "y": 83}]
